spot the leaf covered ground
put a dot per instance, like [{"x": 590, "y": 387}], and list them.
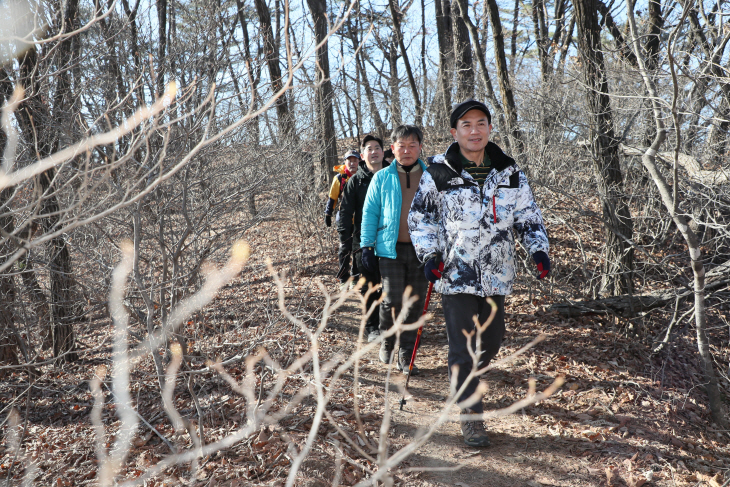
[{"x": 622, "y": 417}]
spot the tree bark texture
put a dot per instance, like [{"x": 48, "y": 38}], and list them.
[
  {"x": 618, "y": 265},
  {"x": 285, "y": 120},
  {"x": 35, "y": 121},
  {"x": 162, "y": 46},
  {"x": 542, "y": 40},
  {"x": 393, "y": 82},
  {"x": 8, "y": 341},
  {"x": 380, "y": 129},
  {"x": 505, "y": 86},
  {"x": 464, "y": 61},
  {"x": 444, "y": 33},
  {"x": 396, "y": 14},
  {"x": 326, "y": 137}
]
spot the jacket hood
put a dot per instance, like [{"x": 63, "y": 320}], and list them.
[{"x": 500, "y": 160}]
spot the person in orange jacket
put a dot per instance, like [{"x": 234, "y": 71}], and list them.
[{"x": 344, "y": 172}]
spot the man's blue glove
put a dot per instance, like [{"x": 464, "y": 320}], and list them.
[
  {"x": 433, "y": 268},
  {"x": 369, "y": 261},
  {"x": 543, "y": 263}
]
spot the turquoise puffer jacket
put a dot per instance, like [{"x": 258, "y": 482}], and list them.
[{"x": 381, "y": 212}]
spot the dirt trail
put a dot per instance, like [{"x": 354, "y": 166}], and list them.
[{"x": 588, "y": 434}]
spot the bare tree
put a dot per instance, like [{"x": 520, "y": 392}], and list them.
[
  {"x": 619, "y": 254},
  {"x": 397, "y": 14},
  {"x": 326, "y": 138},
  {"x": 671, "y": 203}
]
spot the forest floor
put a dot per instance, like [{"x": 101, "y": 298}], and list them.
[{"x": 622, "y": 417}]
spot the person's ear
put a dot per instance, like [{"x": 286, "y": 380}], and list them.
[{"x": 453, "y": 133}]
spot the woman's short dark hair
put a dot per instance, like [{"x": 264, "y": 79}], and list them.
[{"x": 405, "y": 132}]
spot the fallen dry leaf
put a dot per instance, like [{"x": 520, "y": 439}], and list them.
[
  {"x": 611, "y": 476},
  {"x": 636, "y": 481}
]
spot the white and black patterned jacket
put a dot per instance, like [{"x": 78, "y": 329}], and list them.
[{"x": 472, "y": 227}]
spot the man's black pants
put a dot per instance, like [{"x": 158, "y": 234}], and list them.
[
  {"x": 459, "y": 310},
  {"x": 343, "y": 255},
  {"x": 373, "y": 322}
]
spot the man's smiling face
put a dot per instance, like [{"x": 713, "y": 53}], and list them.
[{"x": 472, "y": 131}]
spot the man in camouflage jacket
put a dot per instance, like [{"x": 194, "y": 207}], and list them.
[{"x": 469, "y": 204}]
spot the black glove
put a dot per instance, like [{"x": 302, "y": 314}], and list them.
[
  {"x": 328, "y": 220},
  {"x": 369, "y": 261},
  {"x": 543, "y": 263},
  {"x": 433, "y": 268}
]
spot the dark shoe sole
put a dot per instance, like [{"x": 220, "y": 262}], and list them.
[
  {"x": 479, "y": 444},
  {"x": 414, "y": 372}
]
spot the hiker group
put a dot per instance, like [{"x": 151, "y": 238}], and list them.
[{"x": 450, "y": 224}]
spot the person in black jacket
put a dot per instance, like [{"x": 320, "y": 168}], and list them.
[
  {"x": 343, "y": 173},
  {"x": 353, "y": 198}
]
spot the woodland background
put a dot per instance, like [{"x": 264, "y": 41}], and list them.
[{"x": 182, "y": 126}]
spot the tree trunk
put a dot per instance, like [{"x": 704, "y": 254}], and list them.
[
  {"x": 693, "y": 244},
  {"x": 396, "y": 14},
  {"x": 464, "y": 63},
  {"x": 513, "y": 43},
  {"x": 393, "y": 84},
  {"x": 651, "y": 46},
  {"x": 424, "y": 71},
  {"x": 380, "y": 127},
  {"x": 162, "y": 46},
  {"x": 542, "y": 41},
  {"x": 618, "y": 265},
  {"x": 285, "y": 120},
  {"x": 326, "y": 136},
  {"x": 8, "y": 345},
  {"x": 445, "y": 36},
  {"x": 35, "y": 122},
  {"x": 505, "y": 87}
]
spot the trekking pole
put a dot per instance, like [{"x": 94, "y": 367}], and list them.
[{"x": 415, "y": 348}]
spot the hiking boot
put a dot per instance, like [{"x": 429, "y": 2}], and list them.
[
  {"x": 386, "y": 351},
  {"x": 372, "y": 335},
  {"x": 473, "y": 431},
  {"x": 404, "y": 361}
]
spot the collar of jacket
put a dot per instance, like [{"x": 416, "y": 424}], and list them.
[
  {"x": 393, "y": 166},
  {"x": 367, "y": 172},
  {"x": 500, "y": 160},
  {"x": 340, "y": 169}
]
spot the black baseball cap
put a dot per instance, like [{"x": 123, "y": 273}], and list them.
[
  {"x": 352, "y": 153},
  {"x": 463, "y": 107}
]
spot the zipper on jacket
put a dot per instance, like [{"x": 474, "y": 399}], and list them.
[{"x": 494, "y": 207}]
